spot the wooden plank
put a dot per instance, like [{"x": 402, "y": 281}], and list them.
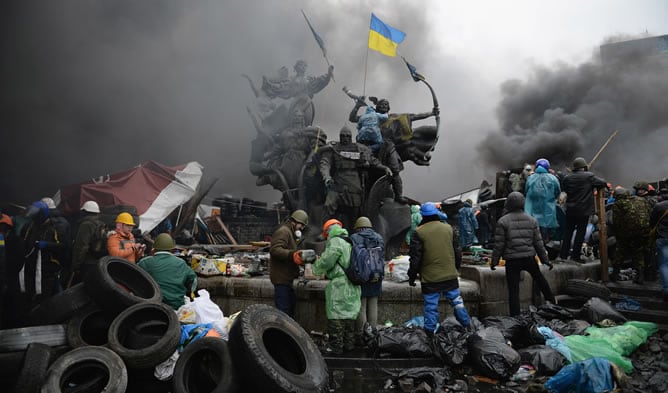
[{"x": 227, "y": 231}]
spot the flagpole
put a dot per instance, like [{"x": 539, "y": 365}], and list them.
[{"x": 366, "y": 63}]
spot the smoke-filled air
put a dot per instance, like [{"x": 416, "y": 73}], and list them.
[{"x": 89, "y": 88}]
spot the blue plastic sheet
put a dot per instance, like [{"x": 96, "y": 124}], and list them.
[
  {"x": 588, "y": 376},
  {"x": 192, "y": 332}
]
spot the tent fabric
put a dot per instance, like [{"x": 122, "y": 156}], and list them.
[{"x": 154, "y": 189}]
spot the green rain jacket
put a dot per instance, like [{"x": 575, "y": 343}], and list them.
[
  {"x": 342, "y": 298},
  {"x": 175, "y": 278}
]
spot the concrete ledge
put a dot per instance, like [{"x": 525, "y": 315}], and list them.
[
  {"x": 494, "y": 290},
  {"x": 398, "y": 302}
]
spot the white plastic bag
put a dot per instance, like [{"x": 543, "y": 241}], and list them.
[
  {"x": 400, "y": 267},
  {"x": 208, "y": 312},
  {"x": 187, "y": 313},
  {"x": 165, "y": 370}
]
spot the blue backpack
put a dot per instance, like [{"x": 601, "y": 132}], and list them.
[{"x": 367, "y": 264}]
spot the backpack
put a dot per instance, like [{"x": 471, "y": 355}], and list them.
[
  {"x": 98, "y": 245},
  {"x": 367, "y": 264}
]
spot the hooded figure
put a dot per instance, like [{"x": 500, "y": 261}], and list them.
[
  {"x": 342, "y": 298},
  {"x": 517, "y": 239},
  {"x": 542, "y": 191}
]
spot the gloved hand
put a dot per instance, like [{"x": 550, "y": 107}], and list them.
[
  {"x": 297, "y": 257},
  {"x": 41, "y": 244},
  {"x": 411, "y": 282},
  {"x": 388, "y": 172},
  {"x": 550, "y": 265},
  {"x": 329, "y": 182},
  {"x": 492, "y": 266}
]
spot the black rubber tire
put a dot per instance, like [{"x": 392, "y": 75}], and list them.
[
  {"x": 205, "y": 366},
  {"x": 145, "y": 334},
  {"x": 36, "y": 363},
  {"x": 274, "y": 354},
  {"x": 89, "y": 327},
  {"x": 61, "y": 307},
  {"x": 150, "y": 353},
  {"x": 143, "y": 381},
  {"x": 19, "y": 338},
  {"x": 116, "y": 284},
  {"x": 11, "y": 363},
  {"x": 586, "y": 289},
  {"x": 87, "y": 369}
]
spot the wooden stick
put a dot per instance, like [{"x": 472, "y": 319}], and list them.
[
  {"x": 603, "y": 235},
  {"x": 227, "y": 231},
  {"x": 593, "y": 160}
]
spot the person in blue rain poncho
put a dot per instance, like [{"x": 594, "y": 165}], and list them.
[
  {"x": 468, "y": 224},
  {"x": 342, "y": 298},
  {"x": 542, "y": 191}
]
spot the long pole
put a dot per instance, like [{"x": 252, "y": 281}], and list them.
[
  {"x": 603, "y": 235},
  {"x": 593, "y": 160}
]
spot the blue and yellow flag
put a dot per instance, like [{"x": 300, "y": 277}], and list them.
[{"x": 384, "y": 38}]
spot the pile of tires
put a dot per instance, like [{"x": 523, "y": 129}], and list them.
[
  {"x": 109, "y": 333},
  {"x": 93, "y": 337}
]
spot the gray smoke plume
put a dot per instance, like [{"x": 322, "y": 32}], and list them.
[
  {"x": 96, "y": 87},
  {"x": 566, "y": 111}
]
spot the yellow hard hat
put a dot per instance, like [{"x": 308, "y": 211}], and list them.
[{"x": 125, "y": 218}]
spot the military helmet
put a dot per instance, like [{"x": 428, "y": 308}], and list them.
[
  {"x": 299, "y": 216},
  {"x": 164, "y": 242},
  {"x": 345, "y": 131},
  {"x": 363, "y": 222},
  {"x": 641, "y": 185},
  {"x": 579, "y": 163}
]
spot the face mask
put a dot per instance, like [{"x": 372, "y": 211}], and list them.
[{"x": 298, "y": 234}]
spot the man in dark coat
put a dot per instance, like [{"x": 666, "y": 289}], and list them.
[
  {"x": 579, "y": 187},
  {"x": 365, "y": 235},
  {"x": 517, "y": 239},
  {"x": 284, "y": 261}
]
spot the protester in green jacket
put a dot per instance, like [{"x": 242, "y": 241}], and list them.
[
  {"x": 342, "y": 298},
  {"x": 175, "y": 278}
]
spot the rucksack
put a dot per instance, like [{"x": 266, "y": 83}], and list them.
[
  {"x": 366, "y": 265},
  {"x": 98, "y": 244}
]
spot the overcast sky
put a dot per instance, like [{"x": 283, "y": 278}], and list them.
[{"x": 95, "y": 87}]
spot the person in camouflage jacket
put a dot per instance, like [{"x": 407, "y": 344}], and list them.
[{"x": 630, "y": 218}]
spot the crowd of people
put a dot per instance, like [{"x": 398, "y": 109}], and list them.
[{"x": 42, "y": 254}]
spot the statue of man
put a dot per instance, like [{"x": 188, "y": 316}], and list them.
[
  {"x": 343, "y": 167},
  {"x": 298, "y": 84}
]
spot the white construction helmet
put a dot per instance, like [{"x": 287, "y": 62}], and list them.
[
  {"x": 49, "y": 202},
  {"x": 91, "y": 207}
]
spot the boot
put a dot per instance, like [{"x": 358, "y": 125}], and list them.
[
  {"x": 640, "y": 277},
  {"x": 398, "y": 189}
]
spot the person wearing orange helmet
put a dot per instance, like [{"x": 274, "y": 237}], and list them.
[
  {"x": 121, "y": 242},
  {"x": 342, "y": 298}
]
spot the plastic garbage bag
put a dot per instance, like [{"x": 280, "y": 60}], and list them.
[
  {"x": 628, "y": 304},
  {"x": 624, "y": 339},
  {"x": 187, "y": 313},
  {"x": 435, "y": 377},
  {"x": 552, "y": 311},
  {"x": 555, "y": 340},
  {"x": 545, "y": 359},
  {"x": 491, "y": 356},
  {"x": 597, "y": 309},
  {"x": 193, "y": 332},
  {"x": 165, "y": 370},
  {"x": 576, "y": 326},
  {"x": 450, "y": 344},
  {"x": 588, "y": 376},
  {"x": 403, "y": 341},
  {"x": 512, "y": 329},
  {"x": 585, "y": 347},
  {"x": 417, "y": 321},
  {"x": 208, "y": 312}
]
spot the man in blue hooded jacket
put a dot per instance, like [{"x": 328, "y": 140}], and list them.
[{"x": 542, "y": 191}]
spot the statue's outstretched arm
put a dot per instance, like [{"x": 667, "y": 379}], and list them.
[
  {"x": 252, "y": 85},
  {"x": 354, "y": 117},
  {"x": 424, "y": 115}
]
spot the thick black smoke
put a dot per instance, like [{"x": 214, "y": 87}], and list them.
[
  {"x": 96, "y": 87},
  {"x": 567, "y": 111}
]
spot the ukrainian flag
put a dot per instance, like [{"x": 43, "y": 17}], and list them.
[{"x": 384, "y": 38}]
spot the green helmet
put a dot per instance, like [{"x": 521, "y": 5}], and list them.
[
  {"x": 164, "y": 242},
  {"x": 579, "y": 163},
  {"x": 362, "y": 222},
  {"x": 641, "y": 185},
  {"x": 300, "y": 216}
]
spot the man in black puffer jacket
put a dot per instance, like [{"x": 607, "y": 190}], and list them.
[
  {"x": 517, "y": 239},
  {"x": 579, "y": 187}
]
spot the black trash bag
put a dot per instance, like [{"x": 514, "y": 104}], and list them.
[
  {"x": 490, "y": 354},
  {"x": 552, "y": 311},
  {"x": 404, "y": 342},
  {"x": 369, "y": 335},
  {"x": 556, "y": 324},
  {"x": 531, "y": 336},
  {"x": 435, "y": 377},
  {"x": 450, "y": 344},
  {"x": 512, "y": 328},
  {"x": 597, "y": 309},
  {"x": 576, "y": 326},
  {"x": 546, "y": 360}
]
